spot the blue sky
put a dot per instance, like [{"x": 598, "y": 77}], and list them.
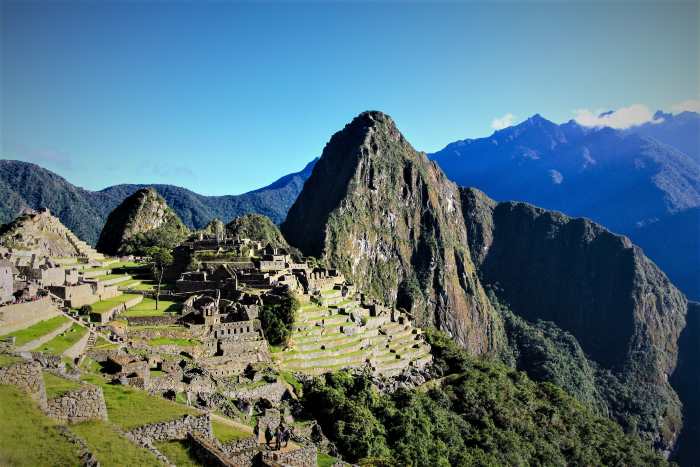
[{"x": 225, "y": 97}]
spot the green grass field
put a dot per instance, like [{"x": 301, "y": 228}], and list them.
[
  {"x": 64, "y": 341},
  {"x": 111, "y": 448},
  {"x": 108, "y": 277},
  {"x": 29, "y": 438},
  {"x": 129, "y": 407},
  {"x": 325, "y": 460},
  {"x": 148, "y": 308},
  {"x": 37, "y": 330},
  {"x": 178, "y": 453},
  {"x": 106, "y": 305},
  {"x": 226, "y": 433},
  {"x": 57, "y": 386}
]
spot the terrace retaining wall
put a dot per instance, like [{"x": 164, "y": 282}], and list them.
[
  {"x": 305, "y": 456},
  {"x": 79, "y": 405},
  {"x": 28, "y": 377},
  {"x": 22, "y": 315},
  {"x": 174, "y": 429}
]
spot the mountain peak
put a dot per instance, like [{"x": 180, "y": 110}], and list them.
[{"x": 144, "y": 212}]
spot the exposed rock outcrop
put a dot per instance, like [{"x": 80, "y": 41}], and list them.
[
  {"x": 598, "y": 286},
  {"x": 140, "y": 216},
  {"x": 389, "y": 219}
]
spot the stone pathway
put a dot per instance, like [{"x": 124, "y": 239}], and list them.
[{"x": 45, "y": 338}]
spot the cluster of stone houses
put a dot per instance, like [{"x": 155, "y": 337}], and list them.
[{"x": 40, "y": 256}]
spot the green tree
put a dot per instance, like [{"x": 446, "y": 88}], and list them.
[
  {"x": 277, "y": 317},
  {"x": 161, "y": 258}
]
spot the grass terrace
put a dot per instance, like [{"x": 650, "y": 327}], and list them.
[
  {"x": 226, "y": 433},
  {"x": 63, "y": 341},
  {"x": 57, "y": 386},
  {"x": 129, "y": 407},
  {"x": 111, "y": 448},
  {"x": 178, "y": 453},
  {"x": 109, "y": 277},
  {"x": 105, "y": 305},
  {"x": 129, "y": 284},
  {"x": 28, "y": 437},
  {"x": 37, "y": 330},
  {"x": 104, "y": 344},
  {"x": 147, "y": 307}
]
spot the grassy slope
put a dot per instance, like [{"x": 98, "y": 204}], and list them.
[
  {"x": 56, "y": 386},
  {"x": 63, "y": 342},
  {"x": 111, "y": 448},
  {"x": 37, "y": 330},
  {"x": 226, "y": 433},
  {"x": 129, "y": 407},
  {"x": 28, "y": 437}
]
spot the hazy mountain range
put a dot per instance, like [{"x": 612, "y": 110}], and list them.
[
  {"x": 24, "y": 185},
  {"x": 643, "y": 182}
]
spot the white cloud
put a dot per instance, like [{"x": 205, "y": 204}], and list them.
[
  {"x": 691, "y": 105},
  {"x": 624, "y": 117},
  {"x": 505, "y": 121}
]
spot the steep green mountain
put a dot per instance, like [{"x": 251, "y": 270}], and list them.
[
  {"x": 25, "y": 185},
  {"x": 144, "y": 218},
  {"x": 595, "y": 285},
  {"x": 568, "y": 301},
  {"x": 256, "y": 227},
  {"x": 390, "y": 220}
]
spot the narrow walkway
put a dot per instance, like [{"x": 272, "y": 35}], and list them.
[{"x": 45, "y": 338}]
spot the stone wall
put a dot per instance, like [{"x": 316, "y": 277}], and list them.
[
  {"x": 273, "y": 392},
  {"x": 28, "y": 377},
  {"x": 79, "y": 405},
  {"x": 21, "y": 315},
  {"x": 248, "y": 328},
  {"x": 206, "y": 452},
  {"x": 76, "y": 296},
  {"x": 152, "y": 320},
  {"x": 305, "y": 456},
  {"x": 174, "y": 429}
]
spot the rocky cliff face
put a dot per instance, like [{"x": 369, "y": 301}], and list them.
[
  {"x": 686, "y": 380},
  {"x": 389, "y": 219},
  {"x": 596, "y": 285},
  {"x": 141, "y": 215}
]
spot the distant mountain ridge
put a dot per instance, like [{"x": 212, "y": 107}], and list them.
[
  {"x": 25, "y": 185},
  {"x": 628, "y": 180}
]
